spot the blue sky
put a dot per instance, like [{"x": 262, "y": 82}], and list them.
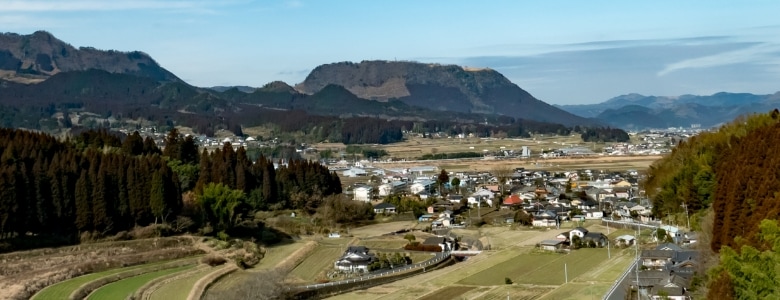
[{"x": 562, "y": 52}]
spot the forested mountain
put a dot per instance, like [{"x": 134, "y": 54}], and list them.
[
  {"x": 447, "y": 88},
  {"x": 35, "y": 57},
  {"x": 635, "y": 111},
  {"x": 50, "y": 191},
  {"x": 92, "y": 88},
  {"x": 729, "y": 181}
]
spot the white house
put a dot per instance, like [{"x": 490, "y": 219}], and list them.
[
  {"x": 363, "y": 193},
  {"x": 355, "y": 259}
]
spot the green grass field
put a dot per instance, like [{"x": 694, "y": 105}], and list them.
[
  {"x": 125, "y": 287},
  {"x": 179, "y": 288},
  {"x": 63, "y": 289},
  {"x": 322, "y": 258},
  {"x": 540, "y": 268}
]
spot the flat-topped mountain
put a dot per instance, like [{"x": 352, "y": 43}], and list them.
[
  {"x": 437, "y": 87},
  {"x": 36, "y": 57}
]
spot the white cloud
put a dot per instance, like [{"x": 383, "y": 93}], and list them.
[{"x": 764, "y": 54}]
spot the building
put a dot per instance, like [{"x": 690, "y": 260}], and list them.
[
  {"x": 390, "y": 188},
  {"x": 355, "y": 259},
  {"x": 363, "y": 193},
  {"x": 551, "y": 245}
]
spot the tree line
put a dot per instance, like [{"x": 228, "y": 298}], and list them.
[
  {"x": 97, "y": 182},
  {"x": 728, "y": 177}
]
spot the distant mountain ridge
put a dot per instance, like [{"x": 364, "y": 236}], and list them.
[
  {"x": 437, "y": 87},
  {"x": 46, "y": 84},
  {"x": 36, "y": 57},
  {"x": 635, "y": 111}
]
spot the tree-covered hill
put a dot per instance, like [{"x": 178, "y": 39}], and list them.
[{"x": 729, "y": 179}]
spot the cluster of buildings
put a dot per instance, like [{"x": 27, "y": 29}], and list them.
[{"x": 666, "y": 272}]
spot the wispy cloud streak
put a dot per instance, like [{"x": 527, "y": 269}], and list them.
[{"x": 761, "y": 54}]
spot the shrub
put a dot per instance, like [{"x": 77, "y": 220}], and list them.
[
  {"x": 420, "y": 247},
  {"x": 222, "y": 236},
  {"x": 213, "y": 260},
  {"x": 507, "y": 280}
]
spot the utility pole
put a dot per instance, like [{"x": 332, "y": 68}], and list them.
[
  {"x": 636, "y": 247},
  {"x": 685, "y": 206},
  {"x": 566, "y": 273}
]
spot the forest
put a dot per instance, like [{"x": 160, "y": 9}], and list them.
[
  {"x": 728, "y": 180},
  {"x": 52, "y": 191}
]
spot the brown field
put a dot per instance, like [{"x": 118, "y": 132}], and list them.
[
  {"x": 551, "y": 164},
  {"x": 446, "y": 293}
]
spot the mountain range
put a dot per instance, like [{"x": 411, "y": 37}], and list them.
[
  {"x": 44, "y": 81},
  {"x": 636, "y": 112},
  {"x": 36, "y": 57}
]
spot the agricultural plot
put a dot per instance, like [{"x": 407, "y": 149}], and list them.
[
  {"x": 63, "y": 289},
  {"x": 126, "y": 287},
  {"x": 275, "y": 254},
  {"x": 321, "y": 259},
  {"x": 514, "y": 292},
  {"x": 384, "y": 244},
  {"x": 181, "y": 287},
  {"x": 450, "y": 292},
  {"x": 540, "y": 268},
  {"x": 579, "y": 290}
]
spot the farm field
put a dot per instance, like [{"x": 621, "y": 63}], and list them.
[
  {"x": 540, "y": 268},
  {"x": 275, "y": 254},
  {"x": 450, "y": 292},
  {"x": 315, "y": 264},
  {"x": 63, "y": 289},
  {"x": 397, "y": 243},
  {"x": 126, "y": 287},
  {"x": 579, "y": 290},
  {"x": 179, "y": 288},
  {"x": 536, "y": 275}
]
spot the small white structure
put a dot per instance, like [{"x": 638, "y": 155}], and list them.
[{"x": 525, "y": 152}]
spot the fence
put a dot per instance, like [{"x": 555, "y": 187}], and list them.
[
  {"x": 628, "y": 224},
  {"x": 381, "y": 277},
  {"x": 620, "y": 280}
]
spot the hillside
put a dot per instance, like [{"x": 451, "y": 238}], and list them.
[
  {"x": 635, "y": 111},
  {"x": 437, "y": 87},
  {"x": 36, "y": 57},
  {"x": 727, "y": 181}
]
